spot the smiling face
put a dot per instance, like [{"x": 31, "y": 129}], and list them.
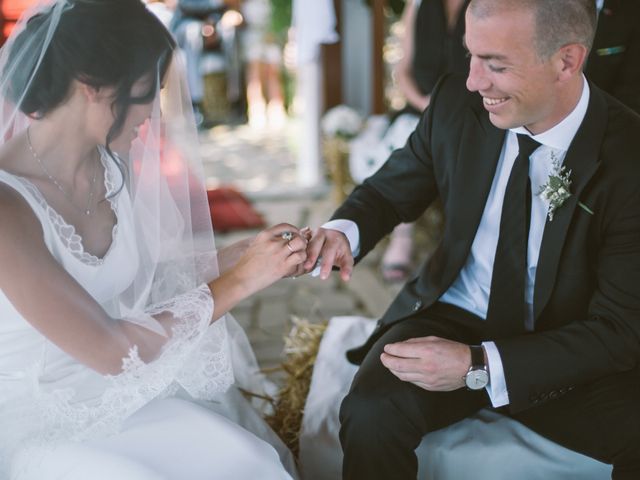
[{"x": 518, "y": 87}]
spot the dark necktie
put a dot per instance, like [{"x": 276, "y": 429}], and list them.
[{"x": 506, "y": 311}]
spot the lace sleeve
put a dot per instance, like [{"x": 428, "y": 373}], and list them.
[
  {"x": 40, "y": 408},
  {"x": 197, "y": 354}
]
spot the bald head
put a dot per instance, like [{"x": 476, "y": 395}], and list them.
[{"x": 557, "y": 22}]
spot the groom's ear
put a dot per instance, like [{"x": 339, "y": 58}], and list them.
[{"x": 570, "y": 60}]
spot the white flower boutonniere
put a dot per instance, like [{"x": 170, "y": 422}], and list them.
[{"x": 556, "y": 190}]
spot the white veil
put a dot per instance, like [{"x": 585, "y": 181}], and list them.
[
  {"x": 163, "y": 177},
  {"x": 164, "y": 173}
]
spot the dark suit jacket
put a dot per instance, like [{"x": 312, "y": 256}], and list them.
[
  {"x": 587, "y": 289},
  {"x": 614, "y": 62}
]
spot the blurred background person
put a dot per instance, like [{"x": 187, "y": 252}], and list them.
[
  {"x": 432, "y": 46},
  {"x": 195, "y": 27},
  {"x": 163, "y": 9},
  {"x": 614, "y": 61},
  {"x": 263, "y": 57}
]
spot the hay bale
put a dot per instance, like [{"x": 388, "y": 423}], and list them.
[{"x": 300, "y": 350}]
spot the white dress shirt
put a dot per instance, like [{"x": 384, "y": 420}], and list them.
[{"x": 470, "y": 290}]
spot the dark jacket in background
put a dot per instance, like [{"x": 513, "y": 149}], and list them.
[
  {"x": 614, "y": 62},
  {"x": 436, "y": 50}
]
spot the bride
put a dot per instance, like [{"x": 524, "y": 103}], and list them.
[{"x": 117, "y": 354}]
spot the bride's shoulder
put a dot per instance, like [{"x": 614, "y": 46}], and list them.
[
  {"x": 15, "y": 211},
  {"x": 22, "y": 234},
  {"x": 13, "y": 157},
  {"x": 17, "y": 215}
]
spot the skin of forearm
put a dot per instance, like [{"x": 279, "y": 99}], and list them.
[
  {"x": 227, "y": 291},
  {"x": 228, "y": 256},
  {"x": 410, "y": 90},
  {"x": 147, "y": 342}
]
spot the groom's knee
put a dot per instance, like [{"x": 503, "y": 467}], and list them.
[
  {"x": 363, "y": 416},
  {"x": 369, "y": 415}
]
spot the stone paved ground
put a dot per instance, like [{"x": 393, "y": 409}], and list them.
[{"x": 262, "y": 166}]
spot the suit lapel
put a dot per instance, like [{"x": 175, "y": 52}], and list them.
[
  {"x": 480, "y": 146},
  {"x": 583, "y": 160}
]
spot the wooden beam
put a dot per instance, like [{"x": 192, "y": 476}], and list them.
[
  {"x": 377, "y": 87},
  {"x": 332, "y": 65}
]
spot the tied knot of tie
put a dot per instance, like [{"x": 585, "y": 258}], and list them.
[
  {"x": 526, "y": 145},
  {"x": 506, "y": 312}
]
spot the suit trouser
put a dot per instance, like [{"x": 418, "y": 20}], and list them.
[{"x": 384, "y": 419}]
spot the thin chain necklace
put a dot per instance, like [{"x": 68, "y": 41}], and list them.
[{"x": 87, "y": 211}]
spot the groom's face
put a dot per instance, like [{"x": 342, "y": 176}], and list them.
[{"x": 517, "y": 86}]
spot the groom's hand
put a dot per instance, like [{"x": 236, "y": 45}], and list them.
[
  {"x": 329, "y": 248},
  {"x": 432, "y": 363}
]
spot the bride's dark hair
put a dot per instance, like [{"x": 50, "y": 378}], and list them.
[{"x": 101, "y": 43}]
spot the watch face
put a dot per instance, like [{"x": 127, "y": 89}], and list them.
[{"x": 477, "y": 379}]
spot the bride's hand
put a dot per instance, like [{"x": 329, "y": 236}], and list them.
[
  {"x": 274, "y": 253},
  {"x": 230, "y": 255}
]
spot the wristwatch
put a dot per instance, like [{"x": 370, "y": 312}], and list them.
[{"x": 478, "y": 376}]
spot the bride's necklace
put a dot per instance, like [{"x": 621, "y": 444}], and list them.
[{"x": 52, "y": 179}]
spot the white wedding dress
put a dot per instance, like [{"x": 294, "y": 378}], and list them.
[{"x": 174, "y": 418}]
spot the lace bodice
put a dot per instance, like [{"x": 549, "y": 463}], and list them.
[
  {"x": 67, "y": 233},
  {"x": 29, "y": 349},
  {"x": 46, "y": 395}
]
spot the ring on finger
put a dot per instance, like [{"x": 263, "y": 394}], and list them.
[{"x": 288, "y": 236}]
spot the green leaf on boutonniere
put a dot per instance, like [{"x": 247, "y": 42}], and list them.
[{"x": 585, "y": 208}]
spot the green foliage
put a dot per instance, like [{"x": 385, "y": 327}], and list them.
[
  {"x": 555, "y": 183},
  {"x": 280, "y": 18}
]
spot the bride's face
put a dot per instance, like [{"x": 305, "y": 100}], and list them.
[
  {"x": 143, "y": 91},
  {"x": 143, "y": 94}
]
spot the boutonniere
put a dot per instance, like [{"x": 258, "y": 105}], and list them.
[{"x": 557, "y": 189}]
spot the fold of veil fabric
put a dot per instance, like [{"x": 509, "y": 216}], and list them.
[{"x": 161, "y": 256}]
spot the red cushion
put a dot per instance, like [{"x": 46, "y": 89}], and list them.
[{"x": 230, "y": 210}]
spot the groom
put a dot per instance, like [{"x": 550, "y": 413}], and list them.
[{"x": 531, "y": 303}]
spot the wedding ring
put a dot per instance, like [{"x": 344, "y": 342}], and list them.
[
  {"x": 288, "y": 236},
  {"x": 290, "y": 248}
]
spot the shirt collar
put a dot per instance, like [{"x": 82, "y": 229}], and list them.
[{"x": 560, "y": 136}]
